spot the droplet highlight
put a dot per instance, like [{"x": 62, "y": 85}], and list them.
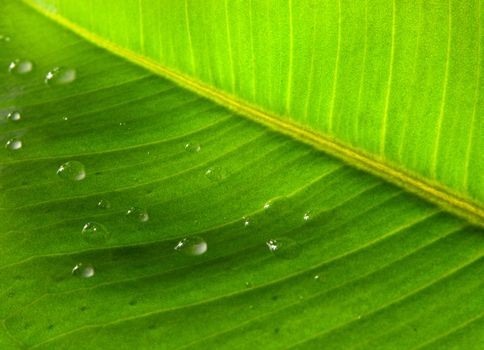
[
  {"x": 14, "y": 144},
  {"x": 193, "y": 147},
  {"x": 307, "y": 216},
  {"x": 104, "y": 204},
  {"x": 192, "y": 246},
  {"x": 72, "y": 170},
  {"x": 216, "y": 173},
  {"x": 83, "y": 270},
  {"x": 285, "y": 248},
  {"x": 95, "y": 233},
  {"x": 246, "y": 221},
  {"x": 138, "y": 214},
  {"x": 14, "y": 116},
  {"x": 20, "y": 66},
  {"x": 60, "y": 76}
]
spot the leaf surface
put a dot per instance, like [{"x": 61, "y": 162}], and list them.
[{"x": 367, "y": 265}]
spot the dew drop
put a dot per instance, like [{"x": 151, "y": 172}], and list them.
[
  {"x": 193, "y": 147},
  {"x": 104, "y": 204},
  {"x": 72, "y": 170},
  {"x": 192, "y": 246},
  {"x": 4, "y": 38},
  {"x": 95, "y": 233},
  {"x": 285, "y": 248},
  {"x": 14, "y": 116},
  {"x": 307, "y": 216},
  {"x": 83, "y": 270},
  {"x": 248, "y": 284},
  {"x": 65, "y": 118},
  {"x": 20, "y": 66},
  {"x": 316, "y": 277},
  {"x": 216, "y": 173},
  {"x": 60, "y": 76},
  {"x": 138, "y": 214},
  {"x": 14, "y": 144},
  {"x": 246, "y": 221}
]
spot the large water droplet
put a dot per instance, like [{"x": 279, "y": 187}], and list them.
[
  {"x": 192, "y": 246},
  {"x": 60, "y": 76},
  {"x": 14, "y": 116},
  {"x": 138, "y": 214},
  {"x": 20, "y": 66},
  {"x": 104, "y": 204},
  {"x": 216, "y": 173},
  {"x": 13, "y": 144},
  {"x": 83, "y": 270},
  {"x": 193, "y": 147},
  {"x": 72, "y": 170},
  {"x": 95, "y": 233},
  {"x": 285, "y": 248}
]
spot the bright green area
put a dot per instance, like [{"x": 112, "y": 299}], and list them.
[
  {"x": 377, "y": 268},
  {"x": 400, "y": 80}
]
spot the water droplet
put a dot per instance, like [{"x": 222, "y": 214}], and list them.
[
  {"x": 248, "y": 284},
  {"x": 192, "y": 246},
  {"x": 13, "y": 144},
  {"x": 83, "y": 270},
  {"x": 72, "y": 170},
  {"x": 65, "y": 118},
  {"x": 316, "y": 277},
  {"x": 95, "y": 233},
  {"x": 20, "y": 66},
  {"x": 122, "y": 123},
  {"x": 285, "y": 248},
  {"x": 277, "y": 206},
  {"x": 193, "y": 147},
  {"x": 216, "y": 173},
  {"x": 138, "y": 214},
  {"x": 14, "y": 116},
  {"x": 104, "y": 204},
  {"x": 307, "y": 216},
  {"x": 246, "y": 221},
  {"x": 4, "y": 38},
  {"x": 60, "y": 76}
]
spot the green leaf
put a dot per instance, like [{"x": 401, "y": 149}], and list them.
[
  {"x": 391, "y": 86},
  {"x": 362, "y": 263}
]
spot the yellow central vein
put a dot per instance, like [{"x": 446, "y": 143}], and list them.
[{"x": 430, "y": 190}]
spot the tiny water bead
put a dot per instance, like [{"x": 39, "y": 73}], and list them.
[
  {"x": 285, "y": 248},
  {"x": 138, "y": 214},
  {"x": 4, "y": 38},
  {"x": 95, "y": 233},
  {"x": 192, "y": 246},
  {"x": 20, "y": 66},
  {"x": 72, "y": 170},
  {"x": 193, "y": 147},
  {"x": 104, "y": 204},
  {"x": 216, "y": 173},
  {"x": 14, "y": 144},
  {"x": 60, "y": 76},
  {"x": 83, "y": 270},
  {"x": 14, "y": 116},
  {"x": 307, "y": 216},
  {"x": 246, "y": 221}
]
